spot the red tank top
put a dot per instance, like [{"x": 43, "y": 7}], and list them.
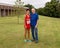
[{"x": 27, "y": 21}]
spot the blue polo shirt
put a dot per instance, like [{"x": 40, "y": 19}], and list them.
[{"x": 33, "y": 18}]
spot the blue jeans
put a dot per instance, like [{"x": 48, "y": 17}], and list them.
[{"x": 34, "y": 33}]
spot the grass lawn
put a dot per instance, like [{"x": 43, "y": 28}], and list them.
[{"x": 12, "y": 34}]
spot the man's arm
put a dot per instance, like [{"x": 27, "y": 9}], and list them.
[{"x": 37, "y": 22}]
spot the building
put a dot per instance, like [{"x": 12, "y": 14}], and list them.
[{"x": 8, "y": 10}]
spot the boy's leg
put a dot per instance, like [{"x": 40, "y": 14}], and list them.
[
  {"x": 32, "y": 30},
  {"x": 36, "y": 34},
  {"x": 25, "y": 34},
  {"x": 29, "y": 34}
]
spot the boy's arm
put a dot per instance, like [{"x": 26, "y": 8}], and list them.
[{"x": 25, "y": 22}]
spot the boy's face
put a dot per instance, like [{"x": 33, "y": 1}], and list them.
[{"x": 28, "y": 12}]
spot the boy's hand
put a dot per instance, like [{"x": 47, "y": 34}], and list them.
[{"x": 25, "y": 26}]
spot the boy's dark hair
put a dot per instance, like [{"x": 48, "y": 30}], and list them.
[{"x": 27, "y": 9}]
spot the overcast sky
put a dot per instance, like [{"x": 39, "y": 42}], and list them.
[{"x": 35, "y": 3}]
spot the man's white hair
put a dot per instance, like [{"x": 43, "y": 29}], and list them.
[{"x": 33, "y": 9}]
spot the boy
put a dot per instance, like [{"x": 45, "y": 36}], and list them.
[{"x": 27, "y": 26}]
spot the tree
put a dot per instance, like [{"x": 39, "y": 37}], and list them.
[
  {"x": 58, "y": 10},
  {"x": 29, "y": 6},
  {"x": 19, "y": 5},
  {"x": 41, "y": 11},
  {"x": 51, "y": 9}
]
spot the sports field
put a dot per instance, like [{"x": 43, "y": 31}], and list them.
[{"x": 12, "y": 33}]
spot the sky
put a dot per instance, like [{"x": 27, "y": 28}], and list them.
[{"x": 35, "y": 3}]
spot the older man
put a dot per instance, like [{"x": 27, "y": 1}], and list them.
[{"x": 34, "y": 25}]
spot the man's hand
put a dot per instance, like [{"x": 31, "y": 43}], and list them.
[{"x": 36, "y": 24}]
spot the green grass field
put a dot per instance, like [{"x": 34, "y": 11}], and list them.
[{"x": 12, "y": 33}]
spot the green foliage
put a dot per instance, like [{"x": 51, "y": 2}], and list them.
[
  {"x": 29, "y": 6},
  {"x": 51, "y": 9},
  {"x": 19, "y": 7}
]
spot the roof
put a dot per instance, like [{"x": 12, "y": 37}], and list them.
[
  {"x": 6, "y": 4},
  {"x": 26, "y": 7}
]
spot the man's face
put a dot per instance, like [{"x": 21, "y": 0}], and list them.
[{"x": 33, "y": 11}]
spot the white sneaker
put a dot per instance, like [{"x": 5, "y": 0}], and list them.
[
  {"x": 25, "y": 40},
  {"x": 29, "y": 41}
]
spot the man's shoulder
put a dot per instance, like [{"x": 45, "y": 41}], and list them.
[{"x": 36, "y": 14}]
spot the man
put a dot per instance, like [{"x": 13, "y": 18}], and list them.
[{"x": 34, "y": 24}]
